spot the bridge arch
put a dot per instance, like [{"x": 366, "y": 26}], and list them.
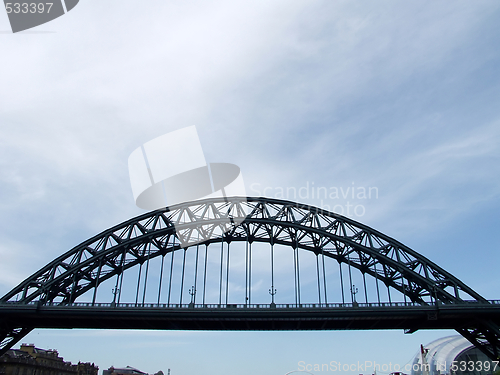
[{"x": 133, "y": 244}]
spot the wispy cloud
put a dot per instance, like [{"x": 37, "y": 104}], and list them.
[{"x": 401, "y": 96}]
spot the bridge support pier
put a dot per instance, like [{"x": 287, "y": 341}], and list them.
[
  {"x": 484, "y": 335},
  {"x": 9, "y": 336}
]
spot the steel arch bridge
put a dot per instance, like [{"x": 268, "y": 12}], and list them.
[{"x": 246, "y": 263}]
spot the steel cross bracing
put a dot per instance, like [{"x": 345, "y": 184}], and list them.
[{"x": 138, "y": 240}]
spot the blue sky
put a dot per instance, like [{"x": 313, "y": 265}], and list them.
[{"x": 401, "y": 96}]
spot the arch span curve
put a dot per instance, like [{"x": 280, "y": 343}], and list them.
[{"x": 136, "y": 242}]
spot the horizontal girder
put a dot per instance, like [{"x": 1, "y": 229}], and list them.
[{"x": 407, "y": 316}]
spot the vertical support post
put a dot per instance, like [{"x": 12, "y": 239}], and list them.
[
  {"x": 25, "y": 289},
  {"x": 295, "y": 273},
  {"x": 272, "y": 291},
  {"x": 221, "y": 268},
  {"x": 364, "y": 283},
  {"x": 319, "y": 284},
  {"x": 138, "y": 284},
  {"x": 73, "y": 287},
  {"x": 404, "y": 289},
  {"x": 324, "y": 275},
  {"x": 97, "y": 281},
  {"x": 161, "y": 277},
  {"x": 227, "y": 274},
  {"x": 350, "y": 276},
  {"x": 298, "y": 275},
  {"x": 272, "y": 266},
  {"x": 341, "y": 283},
  {"x": 205, "y": 273},
  {"x": 119, "y": 276},
  {"x": 457, "y": 292},
  {"x": 115, "y": 290},
  {"x": 246, "y": 272},
  {"x": 170, "y": 277},
  {"x": 250, "y": 273},
  {"x": 124, "y": 257},
  {"x": 376, "y": 282},
  {"x": 120, "y": 288},
  {"x": 146, "y": 277},
  {"x": 183, "y": 271},
  {"x": 196, "y": 273}
]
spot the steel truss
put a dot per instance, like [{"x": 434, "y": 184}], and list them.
[{"x": 272, "y": 221}]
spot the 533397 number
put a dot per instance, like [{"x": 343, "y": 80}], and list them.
[
  {"x": 471, "y": 366},
  {"x": 28, "y": 7}
]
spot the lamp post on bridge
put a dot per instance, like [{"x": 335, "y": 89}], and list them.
[
  {"x": 272, "y": 292},
  {"x": 192, "y": 293},
  {"x": 115, "y": 291},
  {"x": 354, "y": 291}
]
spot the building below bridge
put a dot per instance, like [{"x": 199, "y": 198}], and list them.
[
  {"x": 127, "y": 371},
  {"x": 30, "y": 360},
  {"x": 452, "y": 355}
]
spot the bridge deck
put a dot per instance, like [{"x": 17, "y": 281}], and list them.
[{"x": 406, "y": 316}]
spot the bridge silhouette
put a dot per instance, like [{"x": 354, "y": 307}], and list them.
[{"x": 246, "y": 263}]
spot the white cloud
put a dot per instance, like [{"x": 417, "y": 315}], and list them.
[{"x": 397, "y": 95}]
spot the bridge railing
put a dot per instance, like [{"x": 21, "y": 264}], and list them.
[{"x": 244, "y": 306}]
